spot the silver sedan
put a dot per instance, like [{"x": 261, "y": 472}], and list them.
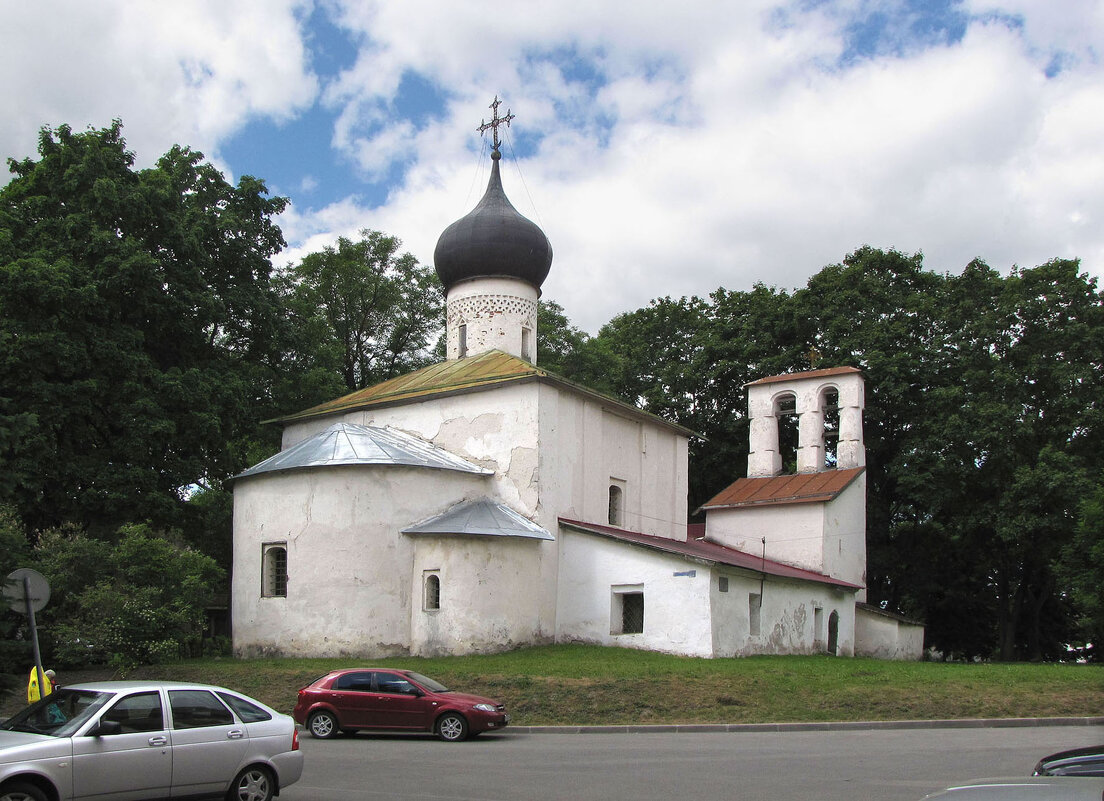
[
  {"x": 1036, "y": 788},
  {"x": 120, "y": 741}
]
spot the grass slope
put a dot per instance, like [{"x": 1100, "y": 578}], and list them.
[{"x": 581, "y": 685}]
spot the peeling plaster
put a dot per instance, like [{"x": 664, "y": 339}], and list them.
[{"x": 523, "y": 470}]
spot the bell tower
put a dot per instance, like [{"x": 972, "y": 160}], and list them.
[{"x": 823, "y": 408}]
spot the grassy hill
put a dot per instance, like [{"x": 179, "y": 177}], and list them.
[{"x": 579, "y": 685}]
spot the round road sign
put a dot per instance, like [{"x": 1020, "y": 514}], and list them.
[{"x": 37, "y": 588}]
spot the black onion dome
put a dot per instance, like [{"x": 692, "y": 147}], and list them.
[{"x": 493, "y": 241}]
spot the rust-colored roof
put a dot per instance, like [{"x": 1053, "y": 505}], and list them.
[
  {"x": 701, "y": 549},
  {"x": 800, "y": 488},
  {"x": 807, "y": 374},
  {"x": 472, "y": 374}
]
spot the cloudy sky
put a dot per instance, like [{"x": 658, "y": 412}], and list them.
[{"x": 666, "y": 148}]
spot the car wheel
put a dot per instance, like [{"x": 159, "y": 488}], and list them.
[
  {"x": 252, "y": 784},
  {"x": 21, "y": 791},
  {"x": 452, "y": 727},
  {"x": 322, "y": 725}
]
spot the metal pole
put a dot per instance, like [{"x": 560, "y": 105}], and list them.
[{"x": 34, "y": 637}]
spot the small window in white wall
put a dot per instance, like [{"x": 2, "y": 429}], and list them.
[
  {"x": 527, "y": 344},
  {"x": 274, "y": 574},
  {"x": 755, "y": 609},
  {"x": 627, "y": 611},
  {"x": 722, "y": 583},
  {"x": 462, "y": 343},
  {"x": 616, "y": 505},
  {"x": 431, "y": 590}
]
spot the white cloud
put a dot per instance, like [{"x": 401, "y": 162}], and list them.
[
  {"x": 667, "y": 149},
  {"x": 176, "y": 73}
]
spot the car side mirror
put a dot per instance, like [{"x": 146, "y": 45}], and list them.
[
  {"x": 415, "y": 692},
  {"x": 106, "y": 728}
]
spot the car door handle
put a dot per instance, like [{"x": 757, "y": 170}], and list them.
[
  {"x": 159, "y": 740},
  {"x": 235, "y": 734}
]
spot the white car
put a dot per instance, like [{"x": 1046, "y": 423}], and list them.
[
  {"x": 1036, "y": 788},
  {"x": 139, "y": 741}
]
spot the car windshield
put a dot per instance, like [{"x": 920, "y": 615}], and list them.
[
  {"x": 427, "y": 682},
  {"x": 59, "y": 714}
]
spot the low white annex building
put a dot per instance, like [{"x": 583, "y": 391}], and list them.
[{"x": 481, "y": 504}]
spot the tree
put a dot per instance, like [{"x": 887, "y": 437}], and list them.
[
  {"x": 139, "y": 600},
  {"x": 139, "y": 328},
  {"x": 981, "y": 417},
  {"x": 982, "y": 424},
  {"x": 559, "y": 343},
  {"x": 1082, "y": 570},
  {"x": 15, "y": 648},
  {"x": 362, "y": 311}
]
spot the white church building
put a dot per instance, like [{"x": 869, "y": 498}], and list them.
[{"x": 482, "y": 503}]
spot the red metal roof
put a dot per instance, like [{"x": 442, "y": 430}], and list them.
[
  {"x": 708, "y": 551},
  {"x": 800, "y": 488},
  {"x": 807, "y": 374}
]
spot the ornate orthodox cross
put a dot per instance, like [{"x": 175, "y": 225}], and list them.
[{"x": 495, "y": 121}]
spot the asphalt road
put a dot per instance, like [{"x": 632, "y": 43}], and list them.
[{"x": 878, "y": 765}]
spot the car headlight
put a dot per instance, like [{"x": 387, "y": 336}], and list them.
[{"x": 486, "y": 707}]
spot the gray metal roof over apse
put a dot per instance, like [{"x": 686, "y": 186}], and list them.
[
  {"x": 353, "y": 444},
  {"x": 482, "y": 516}
]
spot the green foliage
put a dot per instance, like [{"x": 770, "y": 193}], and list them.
[
  {"x": 140, "y": 330},
  {"x": 15, "y": 647},
  {"x": 560, "y": 343},
  {"x": 982, "y": 423},
  {"x": 139, "y": 600},
  {"x": 361, "y": 314},
  {"x": 1082, "y": 568}
]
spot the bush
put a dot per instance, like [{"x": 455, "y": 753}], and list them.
[{"x": 136, "y": 602}]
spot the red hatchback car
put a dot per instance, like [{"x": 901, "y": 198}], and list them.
[{"x": 393, "y": 700}]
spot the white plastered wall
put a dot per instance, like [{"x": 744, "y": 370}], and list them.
[
  {"x": 496, "y": 429},
  {"x": 494, "y": 313},
  {"x": 764, "y": 457},
  {"x": 487, "y": 602},
  {"x": 586, "y": 444},
  {"x": 886, "y": 637},
  {"x": 787, "y": 616},
  {"x": 676, "y": 607},
  {"x": 684, "y": 610},
  {"x": 349, "y": 568},
  {"x": 825, "y": 537},
  {"x": 553, "y": 452}
]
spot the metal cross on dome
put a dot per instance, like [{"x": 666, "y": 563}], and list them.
[{"x": 495, "y": 121}]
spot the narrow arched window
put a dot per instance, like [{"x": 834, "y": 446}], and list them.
[
  {"x": 785, "y": 412},
  {"x": 432, "y": 591},
  {"x": 462, "y": 344},
  {"x": 829, "y": 404},
  {"x": 616, "y": 500},
  {"x": 274, "y": 575}
]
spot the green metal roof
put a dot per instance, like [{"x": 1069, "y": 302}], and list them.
[
  {"x": 472, "y": 374},
  {"x": 458, "y": 375}
]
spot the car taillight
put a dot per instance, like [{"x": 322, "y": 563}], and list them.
[{"x": 295, "y": 739}]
